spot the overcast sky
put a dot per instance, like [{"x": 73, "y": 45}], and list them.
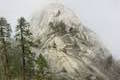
[{"x": 102, "y": 16}]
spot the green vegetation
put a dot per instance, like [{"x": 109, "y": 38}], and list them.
[{"x": 17, "y": 61}]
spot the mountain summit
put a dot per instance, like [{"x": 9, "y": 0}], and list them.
[{"x": 73, "y": 51}]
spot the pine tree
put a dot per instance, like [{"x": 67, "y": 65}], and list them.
[
  {"x": 24, "y": 42},
  {"x": 5, "y": 32},
  {"x": 42, "y": 69}
]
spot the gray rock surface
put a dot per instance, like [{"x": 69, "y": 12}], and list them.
[{"x": 72, "y": 50}]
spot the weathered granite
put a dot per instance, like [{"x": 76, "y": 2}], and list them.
[{"x": 72, "y": 50}]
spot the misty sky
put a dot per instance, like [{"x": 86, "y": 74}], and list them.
[{"x": 102, "y": 16}]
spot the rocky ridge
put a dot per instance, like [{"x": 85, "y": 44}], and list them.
[{"x": 72, "y": 51}]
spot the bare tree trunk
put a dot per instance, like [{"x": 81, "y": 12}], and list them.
[
  {"x": 6, "y": 68},
  {"x": 2, "y": 70}
]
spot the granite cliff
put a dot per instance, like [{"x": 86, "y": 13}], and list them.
[{"x": 73, "y": 51}]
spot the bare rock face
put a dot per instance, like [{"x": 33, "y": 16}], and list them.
[{"x": 72, "y": 51}]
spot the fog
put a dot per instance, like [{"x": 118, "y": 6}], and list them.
[{"x": 102, "y": 16}]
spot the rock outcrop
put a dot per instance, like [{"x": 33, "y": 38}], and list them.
[{"x": 72, "y": 51}]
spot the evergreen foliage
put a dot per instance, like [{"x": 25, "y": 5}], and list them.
[{"x": 5, "y": 45}]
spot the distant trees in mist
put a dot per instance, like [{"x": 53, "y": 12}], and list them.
[{"x": 17, "y": 61}]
